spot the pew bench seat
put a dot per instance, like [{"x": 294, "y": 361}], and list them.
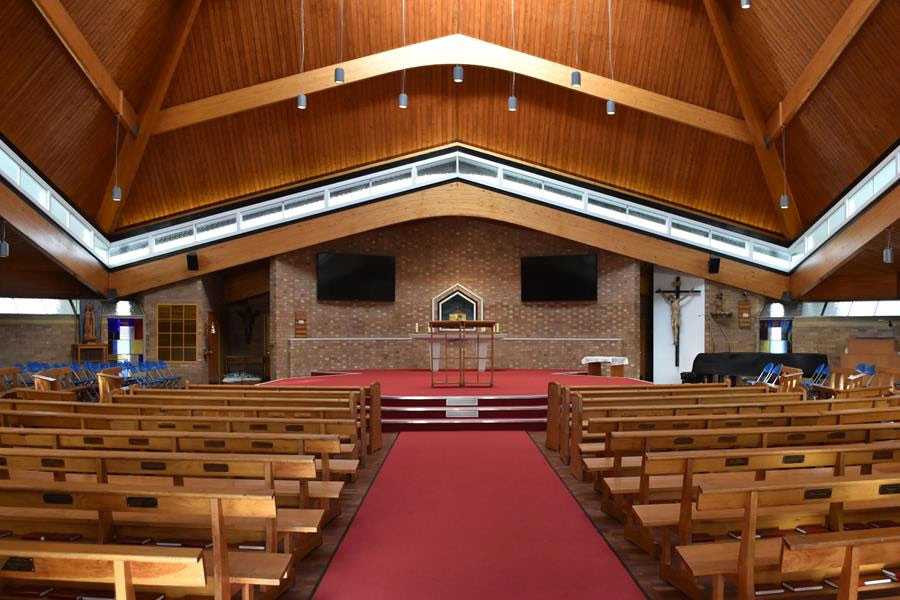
[
  {"x": 589, "y": 448},
  {"x": 254, "y": 568},
  {"x": 721, "y": 558},
  {"x": 603, "y": 464}
]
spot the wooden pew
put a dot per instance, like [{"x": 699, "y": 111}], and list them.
[
  {"x": 123, "y": 566},
  {"x": 291, "y": 477},
  {"x": 369, "y": 397},
  {"x": 663, "y": 495},
  {"x": 556, "y": 390},
  {"x": 568, "y": 394},
  {"x": 345, "y": 428},
  {"x": 33, "y": 394},
  {"x": 751, "y": 557},
  {"x": 188, "y": 441},
  {"x": 108, "y": 381},
  {"x": 105, "y": 509},
  {"x": 848, "y": 553},
  {"x": 369, "y": 427},
  {"x": 582, "y": 409}
]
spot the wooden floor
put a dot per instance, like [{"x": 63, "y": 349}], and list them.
[{"x": 642, "y": 568}]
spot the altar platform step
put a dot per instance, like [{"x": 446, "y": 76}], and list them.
[{"x": 463, "y": 412}]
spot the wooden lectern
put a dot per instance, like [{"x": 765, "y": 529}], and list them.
[{"x": 462, "y": 353}]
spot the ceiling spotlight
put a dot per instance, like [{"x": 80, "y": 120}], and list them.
[
  {"x": 117, "y": 193},
  {"x": 404, "y": 100},
  {"x": 745, "y": 4},
  {"x": 784, "y": 201},
  {"x": 339, "y": 75},
  {"x": 512, "y": 104},
  {"x": 301, "y": 101},
  {"x": 458, "y": 74},
  {"x": 576, "y": 79},
  {"x": 610, "y": 107}
]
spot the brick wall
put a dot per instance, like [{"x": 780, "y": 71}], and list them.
[
  {"x": 192, "y": 291},
  {"x": 431, "y": 256},
  {"x": 38, "y": 338},
  {"x": 830, "y": 335},
  {"x": 723, "y": 333}
]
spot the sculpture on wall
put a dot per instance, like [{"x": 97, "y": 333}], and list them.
[
  {"x": 89, "y": 325},
  {"x": 676, "y": 298}
]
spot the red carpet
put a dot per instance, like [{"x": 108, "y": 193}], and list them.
[
  {"x": 470, "y": 514},
  {"x": 410, "y": 382}
]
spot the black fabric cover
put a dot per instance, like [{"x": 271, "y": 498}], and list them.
[{"x": 717, "y": 365}]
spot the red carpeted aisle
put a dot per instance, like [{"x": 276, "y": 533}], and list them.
[{"x": 471, "y": 514}]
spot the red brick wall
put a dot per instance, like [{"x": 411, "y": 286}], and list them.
[{"x": 431, "y": 256}]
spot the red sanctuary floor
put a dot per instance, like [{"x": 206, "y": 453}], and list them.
[{"x": 411, "y": 382}]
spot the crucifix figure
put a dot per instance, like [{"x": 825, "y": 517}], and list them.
[{"x": 676, "y": 298}]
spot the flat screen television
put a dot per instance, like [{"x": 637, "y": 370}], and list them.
[
  {"x": 355, "y": 277},
  {"x": 570, "y": 278}
]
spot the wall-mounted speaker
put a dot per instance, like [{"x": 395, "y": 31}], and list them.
[
  {"x": 112, "y": 294},
  {"x": 713, "y": 266},
  {"x": 193, "y": 261}
]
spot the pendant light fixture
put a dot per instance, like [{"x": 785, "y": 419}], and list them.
[
  {"x": 117, "y": 190},
  {"x": 403, "y": 100},
  {"x": 512, "y": 103},
  {"x": 4, "y": 245},
  {"x": 610, "y": 104},
  {"x": 339, "y": 76},
  {"x": 784, "y": 201},
  {"x": 888, "y": 255},
  {"x": 575, "y": 78},
  {"x": 458, "y": 69},
  {"x": 745, "y": 4},
  {"x": 301, "y": 98}
]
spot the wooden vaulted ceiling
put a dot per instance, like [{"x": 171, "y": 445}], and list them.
[{"x": 52, "y": 114}]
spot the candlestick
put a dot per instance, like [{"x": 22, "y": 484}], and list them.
[{"x": 417, "y": 328}]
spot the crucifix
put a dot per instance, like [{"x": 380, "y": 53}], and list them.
[{"x": 676, "y": 298}]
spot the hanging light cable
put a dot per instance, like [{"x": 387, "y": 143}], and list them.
[
  {"x": 512, "y": 103},
  {"x": 610, "y": 104},
  {"x": 301, "y": 99},
  {"x": 576, "y": 74},
  {"x": 117, "y": 190},
  {"x": 458, "y": 69},
  {"x": 339, "y": 71},
  {"x": 784, "y": 201},
  {"x": 403, "y": 100}
]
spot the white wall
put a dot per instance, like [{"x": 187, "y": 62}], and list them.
[{"x": 693, "y": 323}]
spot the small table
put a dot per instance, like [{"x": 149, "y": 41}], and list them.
[{"x": 616, "y": 365}]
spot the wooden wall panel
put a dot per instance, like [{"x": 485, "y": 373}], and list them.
[{"x": 31, "y": 274}]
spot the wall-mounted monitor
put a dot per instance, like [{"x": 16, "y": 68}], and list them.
[
  {"x": 362, "y": 277},
  {"x": 569, "y": 278}
]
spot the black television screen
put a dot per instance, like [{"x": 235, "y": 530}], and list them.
[
  {"x": 559, "y": 278},
  {"x": 354, "y": 277}
]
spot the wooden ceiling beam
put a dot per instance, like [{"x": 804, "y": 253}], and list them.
[
  {"x": 844, "y": 246},
  {"x": 768, "y": 158},
  {"x": 450, "y": 50},
  {"x": 831, "y": 49},
  {"x": 52, "y": 241},
  {"x": 76, "y": 44},
  {"x": 132, "y": 150},
  {"x": 454, "y": 199}
]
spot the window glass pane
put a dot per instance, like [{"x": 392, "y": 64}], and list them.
[
  {"x": 776, "y": 310},
  {"x": 391, "y": 182},
  {"x": 860, "y": 198},
  {"x": 35, "y": 306},
  {"x": 811, "y": 309},
  {"x": 728, "y": 244},
  {"x": 258, "y": 217},
  {"x": 177, "y": 332},
  {"x": 837, "y": 309},
  {"x": 886, "y": 175},
  {"x": 690, "y": 233},
  {"x": 607, "y": 208},
  {"x": 888, "y": 308},
  {"x": 301, "y": 206},
  {"x": 216, "y": 228},
  {"x": 522, "y": 183},
  {"x": 646, "y": 220},
  {"x": 862, "y": 309},
  {"x": 9, "y": 168},
  {"x": 436, "y": 170},
  {"x": 173, "y": 239},
  {"x": 476, "y": 170},
  {"x": 350, "y": 193},
  {"x": 836, "y": 220},
  {"x": 33, "y": 189},
  {"x": 562, "y": 195}
]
